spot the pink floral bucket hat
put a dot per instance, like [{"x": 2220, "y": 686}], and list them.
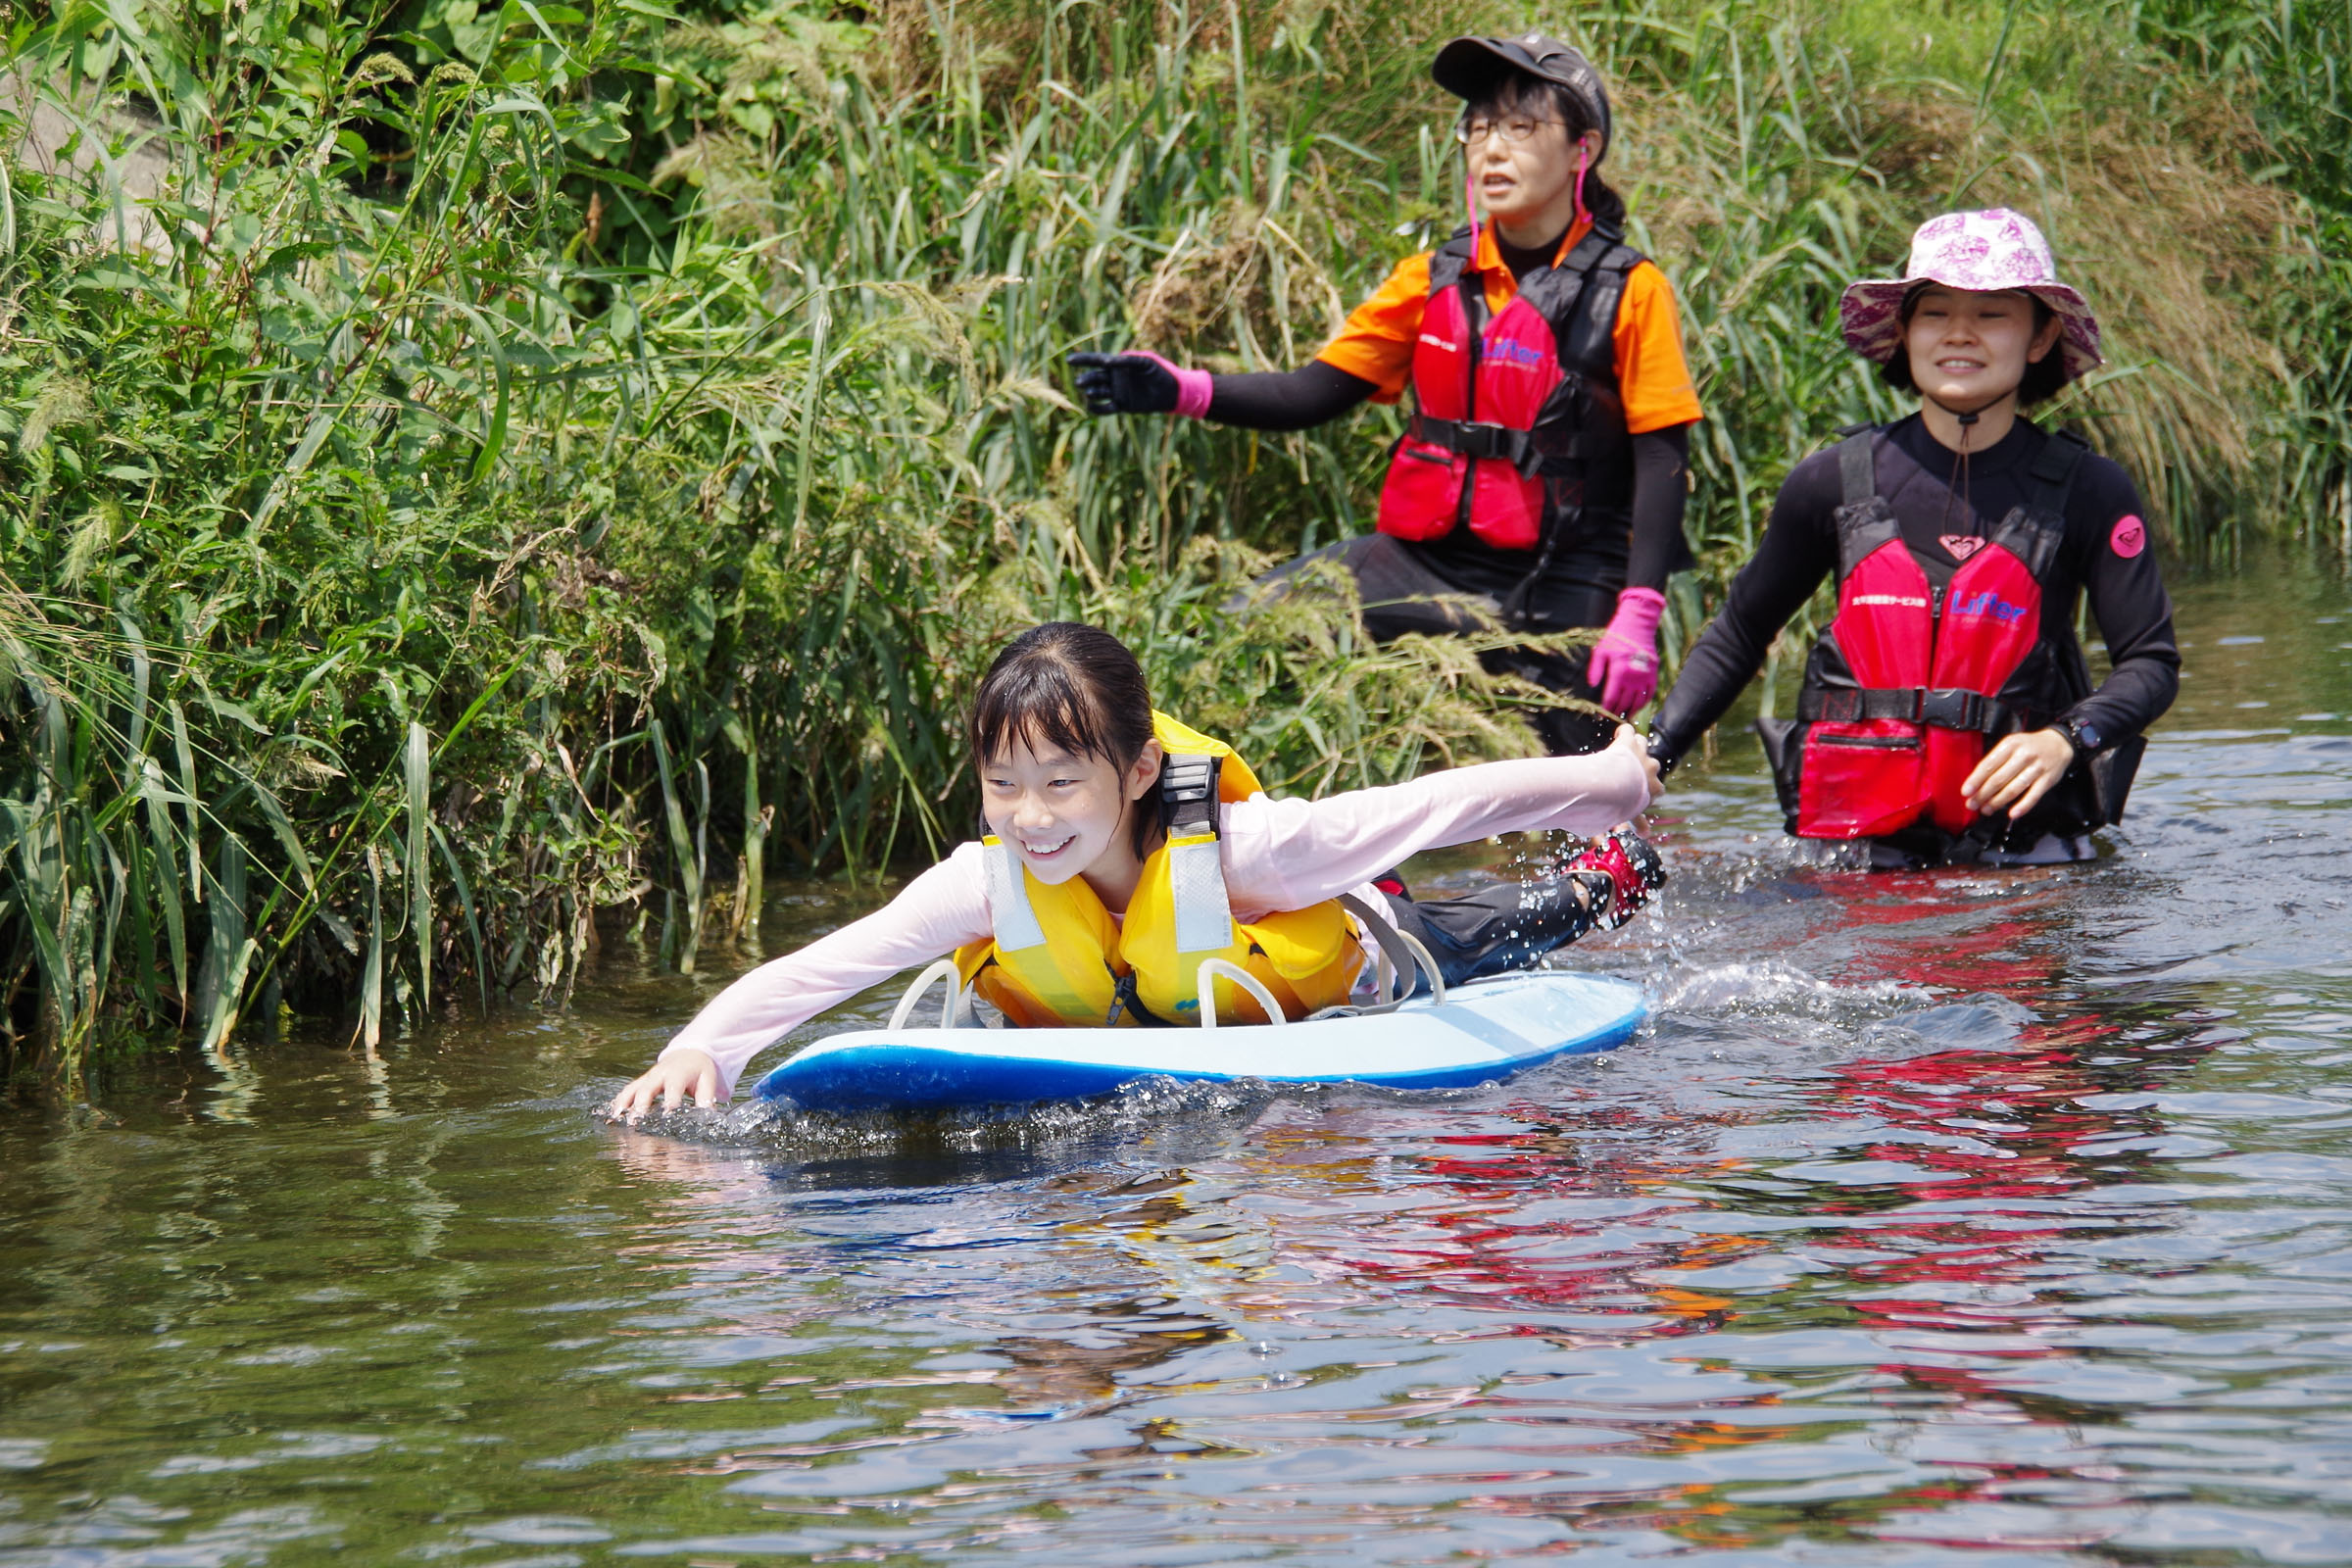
[{"x": 1987, "y": 251}]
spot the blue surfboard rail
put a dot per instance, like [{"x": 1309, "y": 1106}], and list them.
[{"x": 1483, "y": 1031}]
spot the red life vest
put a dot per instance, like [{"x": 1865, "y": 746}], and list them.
[
  {"x": 1927, "y": 660},
  {"x": 1518, "y": 428}
]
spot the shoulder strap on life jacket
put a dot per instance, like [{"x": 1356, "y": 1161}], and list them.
[
  {"x": 2052, "y": 470},
  {"x": 1188, "y": 805},
  {"x": 1864, "y": 521},
  {"x": 1580, "y": 296},
  {"x": 2033, "y": 532},
  {"x": 1188, "y": 792},
  {"x": 1857, "y": 474},
  {"x": 1450, "y": 260}
]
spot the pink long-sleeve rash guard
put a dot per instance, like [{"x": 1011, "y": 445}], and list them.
[{"x": 1277, "y": 855}]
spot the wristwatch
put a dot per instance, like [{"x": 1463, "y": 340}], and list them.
[{"x": 2081, "y": 733}]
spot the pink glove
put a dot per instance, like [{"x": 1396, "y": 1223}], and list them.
[
  {"x": 1625, "y": 666},
  {"x": 1193, "y": 387},
  {"x": 1140, "y": 383}
]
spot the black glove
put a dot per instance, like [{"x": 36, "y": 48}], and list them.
[{"x": 1125, "y": 383}]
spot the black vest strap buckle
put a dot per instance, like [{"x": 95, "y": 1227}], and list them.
[
  {"x": 1960, "y": 709},
  {"x": 1474, "y": 439},
  {"x": 1188, "y": 794},
  {"x": 1125, "y": 1000}
]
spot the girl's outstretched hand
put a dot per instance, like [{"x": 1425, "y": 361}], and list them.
[
  {"x": 689, "y": 1072},
  {"x": 1629, "y": 741}
]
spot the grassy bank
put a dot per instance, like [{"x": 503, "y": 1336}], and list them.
[{"x": 560, "y": 460}]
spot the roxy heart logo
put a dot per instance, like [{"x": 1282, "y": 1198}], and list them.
[
  {"x": 2130, "y": 536},
  {"x": 1961, "y": 546}
]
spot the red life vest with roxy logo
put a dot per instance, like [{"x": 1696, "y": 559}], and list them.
[
  {"x": 1927, "y": 660},
  {"x": 1518, "y": 428}
]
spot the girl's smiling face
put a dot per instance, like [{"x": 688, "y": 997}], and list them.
[
  {"x": 1968, "y": 350},
  {"x": 1064, "y": 812}
]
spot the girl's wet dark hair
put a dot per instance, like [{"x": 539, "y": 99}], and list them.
[
  {"x": 1516, "y": 90},
  {"x": 2040, "y": 382},
  {"x": 1069, "y": 685}
]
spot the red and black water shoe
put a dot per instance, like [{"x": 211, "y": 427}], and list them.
[{"x": 1619, "y": 873}]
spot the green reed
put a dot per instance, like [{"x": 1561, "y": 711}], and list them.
[{"x": 2290, "y": 64}]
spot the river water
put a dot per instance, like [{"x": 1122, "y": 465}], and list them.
[{"x": 1987, "y": 1218}]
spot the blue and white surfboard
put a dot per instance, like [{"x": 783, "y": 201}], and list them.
[{"x": 1471, "y": 1034}]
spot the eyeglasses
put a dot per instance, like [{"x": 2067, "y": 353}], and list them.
[{"x": 1511, "y": 127}]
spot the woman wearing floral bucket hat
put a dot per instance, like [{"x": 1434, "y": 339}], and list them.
[
  {"x": 1947, "y": 714},
  {"x": 1542, "y": 471}
]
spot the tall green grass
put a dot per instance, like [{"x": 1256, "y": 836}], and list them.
[
  {"x": 559, "y": 463},
  {"x": 494, "y": 570},
  {"x": 2288, "y": 64}
]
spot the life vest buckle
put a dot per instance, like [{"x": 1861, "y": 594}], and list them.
[
  {"x": 1955, "y": 710},
  {"x": 1188, "y": 792},
  {"x": 1475, "y": 438}
]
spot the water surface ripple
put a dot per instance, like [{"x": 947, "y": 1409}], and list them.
[{"x": 1966, "y": 1217}]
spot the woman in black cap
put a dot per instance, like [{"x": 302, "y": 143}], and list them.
[{"x": 1544, "y": 470}]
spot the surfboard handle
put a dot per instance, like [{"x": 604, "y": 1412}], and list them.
[
  {"x": 945, "y": 970},
  {"x": 1395, "y": 945},
  {"x": 1206, "y": 977}
]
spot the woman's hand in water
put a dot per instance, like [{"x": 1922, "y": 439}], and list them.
[
  {"x": 1629, "y": 742},
  {"x": 673, "y": 1077},
  {"x": 2017, "y": 772}
]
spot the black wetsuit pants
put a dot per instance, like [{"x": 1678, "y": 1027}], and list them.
[{"x": 1494, "y": 930}]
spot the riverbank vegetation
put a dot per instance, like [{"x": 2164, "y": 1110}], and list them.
[{"x": 545, "y": 462}]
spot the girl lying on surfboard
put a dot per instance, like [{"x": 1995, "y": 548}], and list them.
[{"x": 1124, "y": 848}]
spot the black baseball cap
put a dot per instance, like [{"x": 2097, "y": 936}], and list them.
[{"x": 1469, "y": 69}]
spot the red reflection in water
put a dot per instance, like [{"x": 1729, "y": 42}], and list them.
[{"x": 1983, "y": 1157}]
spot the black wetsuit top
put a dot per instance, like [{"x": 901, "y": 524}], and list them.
[
  {"x": 1920, "y": 481},
  {"x": 1317, "y": 393}
]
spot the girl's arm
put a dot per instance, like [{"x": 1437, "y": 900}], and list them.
[
  {"x": 938, "y": 912},
  {"x": 1286, "y": 855}
]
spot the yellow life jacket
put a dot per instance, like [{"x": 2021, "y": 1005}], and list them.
[{"x": 1059, "y": 957}]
